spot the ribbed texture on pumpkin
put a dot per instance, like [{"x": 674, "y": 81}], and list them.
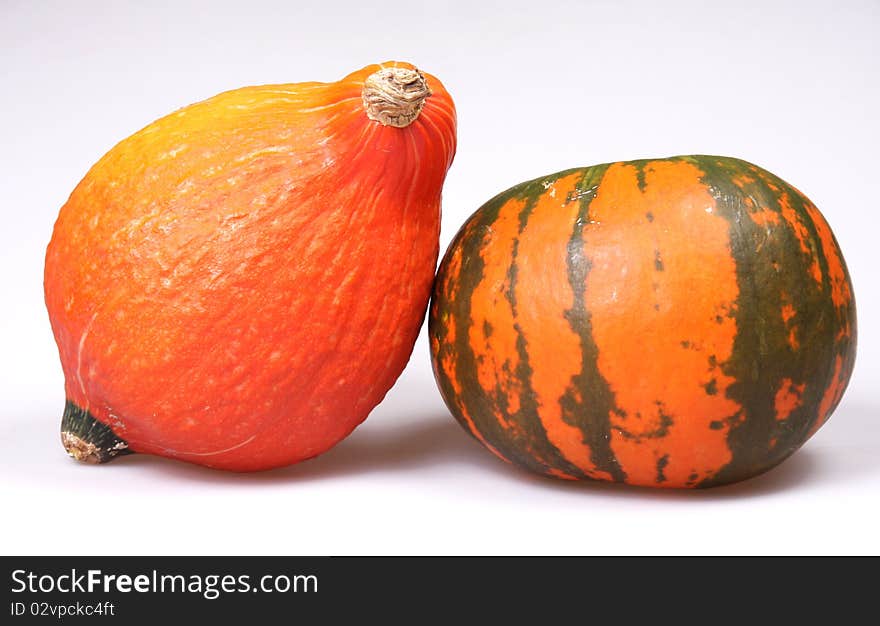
[{"x": 239, "y": 283}]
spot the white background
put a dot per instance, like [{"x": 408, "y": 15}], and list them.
[{"x": 540, "y": 86}]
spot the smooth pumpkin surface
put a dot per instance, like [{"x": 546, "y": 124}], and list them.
[
  {"x": 676, "y": 322},
  {"x": 239, "y": 283}
]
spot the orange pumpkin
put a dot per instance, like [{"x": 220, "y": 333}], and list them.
[
  {"x": 239, "y": 283},
  {"x": 680, "y": 322}
]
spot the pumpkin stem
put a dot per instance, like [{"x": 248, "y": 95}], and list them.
[
  {"x": 394, "y": 96},
  {"x": 86, "y": 439}
]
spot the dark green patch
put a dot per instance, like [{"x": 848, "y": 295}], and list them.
[
  {"x": 640, "y": 175},
  {"x": 711, "y": 387},
  {"x": 95, "y": 441},
  {"x": 662, "y": 462},
  {"x": 487, "y": 329},
  {"x": 649, "y": 216},
  {"x": 716, "y": 424}
]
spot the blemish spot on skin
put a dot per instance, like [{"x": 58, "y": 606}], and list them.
[
  {"x": 662, "y": 462},
  {"x": 712, "y": 387}
]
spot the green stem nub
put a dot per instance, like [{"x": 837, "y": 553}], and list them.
[{"x": 86, "y": 439}]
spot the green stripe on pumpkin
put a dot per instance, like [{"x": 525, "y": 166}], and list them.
[
  {"x": 762, "y": 358},
  {"x": 589, "y": 401}
]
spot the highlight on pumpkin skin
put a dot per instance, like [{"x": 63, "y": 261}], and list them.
[
  {"x": 680, "y": 322},
  {"x": 240, "y": 282}
]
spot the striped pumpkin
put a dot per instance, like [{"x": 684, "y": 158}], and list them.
[{"x": 679, "y": 322}]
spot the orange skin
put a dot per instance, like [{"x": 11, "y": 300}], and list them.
[
  {"x": 660, "y": 323},
  {"x": 239, "y": 283}
]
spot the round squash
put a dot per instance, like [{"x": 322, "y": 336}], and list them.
[
  {"x": 239, "y": 283},
  {"x": 678, "y": 322}
]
